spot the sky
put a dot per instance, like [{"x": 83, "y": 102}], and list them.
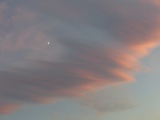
[{"x": 79, "y": 59}]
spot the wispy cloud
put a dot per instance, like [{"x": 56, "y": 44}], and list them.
[
  {"x": 94, "y": 44},
  {"x": 107, "y": 100}
]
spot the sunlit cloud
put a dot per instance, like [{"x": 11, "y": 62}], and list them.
[{"x": 93, "y": 44}]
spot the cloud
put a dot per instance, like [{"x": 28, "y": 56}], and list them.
[
  {"x": 94, "y": 44},
  {"x": 8, "y": 108},
  {"x": 109, "y": 100}
]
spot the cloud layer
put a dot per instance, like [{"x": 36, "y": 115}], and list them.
[
  {"x": 109, "y": 100},
  {"x": 94, "y": 44}
]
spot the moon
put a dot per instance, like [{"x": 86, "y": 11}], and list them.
[{"x": 48, "y": 42}]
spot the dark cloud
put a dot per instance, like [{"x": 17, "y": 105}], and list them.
[{"x": 94, "y": 44}]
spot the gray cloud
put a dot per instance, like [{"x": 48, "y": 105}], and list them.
[
  {"x": 108, "y": 100},
  {"x": 94, "y": 44}
]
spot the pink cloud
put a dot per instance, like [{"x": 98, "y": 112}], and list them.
[
  {"x": 101, "y": 48},
  {"x": 8, "y": 108}
]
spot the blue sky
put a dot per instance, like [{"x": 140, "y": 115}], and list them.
[{"x": 102, "y": 61}]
